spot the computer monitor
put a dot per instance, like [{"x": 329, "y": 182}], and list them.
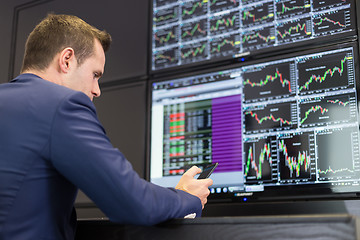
[
  {"x": 285, "y": 127},
  {"x": 194, "y": 32}
]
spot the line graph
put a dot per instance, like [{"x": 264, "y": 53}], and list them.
[
  {"x": 333, "y": 163},
  {"x": 269, "y": 117},
  {"x": 268, "y": 81},
  {"x": 258, "y": 155},
  {"x": 330, "y": 71},
  {"x": 331, "y": 171},
  {"x": 294, "y": 156}
]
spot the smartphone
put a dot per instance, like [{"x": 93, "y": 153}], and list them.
[{"x": 207, "y": 171}]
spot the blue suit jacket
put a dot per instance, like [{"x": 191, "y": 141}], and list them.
[{"x": 51, "y": 144}]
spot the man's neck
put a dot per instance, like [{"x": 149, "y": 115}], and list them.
[{"x": 47, "y": 74}]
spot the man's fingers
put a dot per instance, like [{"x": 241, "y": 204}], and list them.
[
  {"x": 208, "y": 181},
  {"x": 193, "y": 171}
]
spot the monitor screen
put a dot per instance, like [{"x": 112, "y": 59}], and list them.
[
  {"x": 198, "y": 31},
  {"x": 282, "y": 127}
]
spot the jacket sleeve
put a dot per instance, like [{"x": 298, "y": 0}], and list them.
[{"x": 81, "y": 152}]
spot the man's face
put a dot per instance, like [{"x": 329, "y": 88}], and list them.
[{"x": 85, "y": 78}]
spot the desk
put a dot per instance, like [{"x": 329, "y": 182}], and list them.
[{"x": 295, "y": 227}]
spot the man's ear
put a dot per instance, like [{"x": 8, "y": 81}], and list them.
[{"x": 67, "y": 59}]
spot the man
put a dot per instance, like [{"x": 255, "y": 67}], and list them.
[{"x": 51, "y": 143}]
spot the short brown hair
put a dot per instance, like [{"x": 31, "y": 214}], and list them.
[{"x": 56, "y": 32}]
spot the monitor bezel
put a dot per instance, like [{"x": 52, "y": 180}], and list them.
[{"x": 283, "y": 193}]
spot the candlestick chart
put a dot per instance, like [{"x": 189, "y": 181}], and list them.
[
  {"x": 294, "y": 30},
  {"x": 193, "y": 30},
  {"x": 270, "y": 117},
  {"x": 166, "y": 16},
  {"x": 224, "y": 23},
  {"x": 268, "y": 81},
  {"x": 194, "y": 51},
  {"x": 261, "y": 25},
  {"x": 166, "y": 36},
  {"x": 290, "y": 8},
  {"x": 295, "y": 157},
  {"x": 193, "y": 9},
  {"x": 257, "y": 14},
  {"x": 224, "y": 45},
  {"x": 258, "y": 160},
  {"x": 167, "y": 57},
  {"x": 327, "y": 110},
  {"x": 332, "y": 71},
  {"x": 332, "y": 21},
  {"x": 258, "y": 38}
]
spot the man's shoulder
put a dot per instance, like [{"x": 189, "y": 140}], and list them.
[
  {"x": 37, "y": 84},
  {"x": 45, "y": 90}
]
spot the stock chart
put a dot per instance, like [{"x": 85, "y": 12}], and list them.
[
  {"x": 296, "y": 156},
  {"x": 297, "y": 105},
  {"x": 280, "y": 121},
  {"x": 260, "y": 160},
  {"x": 338, "y": 164},
  {"x": 231, "y": 28}
]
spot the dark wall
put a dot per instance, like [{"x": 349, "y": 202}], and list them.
[
  {"x": 126, "y": 21},
  {"x": 6, "y": 24},
  {"x": 122, "y": 105}
]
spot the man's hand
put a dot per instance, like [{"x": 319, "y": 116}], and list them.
[{"x": 199, "y": 188}]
